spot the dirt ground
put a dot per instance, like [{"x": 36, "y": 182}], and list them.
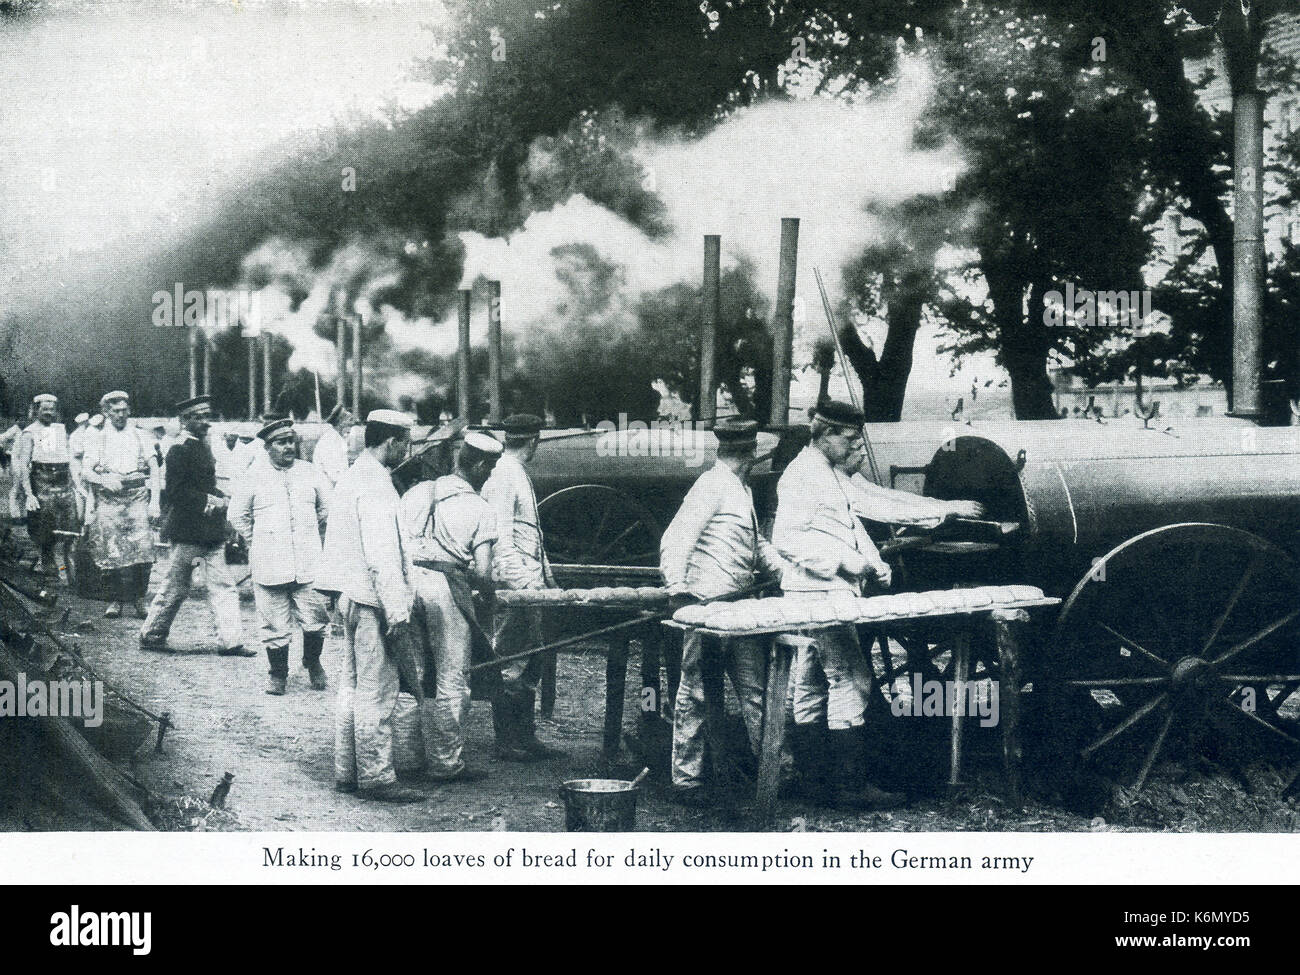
[{"x": 279, "y": 750}]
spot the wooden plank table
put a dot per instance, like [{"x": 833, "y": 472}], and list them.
[
  {"x": 650, "y": 605},
  {"x": 1008, "y": 620}
]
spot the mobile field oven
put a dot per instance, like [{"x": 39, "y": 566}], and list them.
[{"x": 1176, "y": 553}]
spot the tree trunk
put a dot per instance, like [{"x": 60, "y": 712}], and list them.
[
  {"x": 1023, "y": 344},
  {"x": 883, "y": 399}
]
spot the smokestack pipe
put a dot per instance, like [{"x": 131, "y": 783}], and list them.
[
  {"x": 206, "y": 339},
  {"x": 1247, "y": 251},
  {"x": 708, "y": 409},
  {"x": 266, "y": 372},
  {"x": 252, "y": 377},
  {"x": 341, "y": 353},
  {"x": 462, "y": 358},
  {"x": 783, "y": 322},
  {"x": 356, "y": 366},
  {"x": 494, "y": 351},
  {"x": 194, "y": 362}
]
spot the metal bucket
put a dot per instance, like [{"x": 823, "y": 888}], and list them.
[{"x": 599, "y": 805}]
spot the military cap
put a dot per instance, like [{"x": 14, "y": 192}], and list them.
[
  {"x": 522, "y": 425},
  {"x": 839, "y": 413},
  {"x": 81, "y": 418},
  {"x": 736, "y": 431},
  {"x": 97, "y": 420},
  {"x": 116, "y": 396},
  {"x": 185, "y": 405},
  {"x": 44, "y": 398},
  {"x": 274, "y": 427},
  {"x": 391, "y": 418},
  {"x": 483, "y": 443}
]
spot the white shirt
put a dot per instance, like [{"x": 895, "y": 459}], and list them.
[
  {"x": 281, "y": 513},
  {"x": 114, "y": 452},
  {"x": 816, "y": 528},
  {"x": 364, "y": 556},
  {"x": 519, "y": 557},
  {"x": 713, "y": 546},
  {"x": 48, "y": 443},
  {"x": 462, "y": 522},
  {"x": 330, "y": 455}
]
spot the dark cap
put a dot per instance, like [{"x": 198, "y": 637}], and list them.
[
  {"x": 736, "y": 432},
  {"x": 274, "y": 427},
  {"x": 185, "y": 405},
  {"x": 522, "y": 425},
  {"x": 839, "y": 413}
]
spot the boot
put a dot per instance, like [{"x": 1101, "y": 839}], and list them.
[
  {"x": 506, "y": 721},
  {"x": 279, "y": 660},
  {"x": 850, "y": 788},
  {"x": 809, "y": 748},
  {"x": 528, "y": 740},
  {"x": 311, "y": 648}
]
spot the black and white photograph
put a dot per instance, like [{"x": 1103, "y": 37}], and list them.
[{"x": 839, "y": 438}]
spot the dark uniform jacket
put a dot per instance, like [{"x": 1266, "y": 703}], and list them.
[{"x": 191, "y": 477}]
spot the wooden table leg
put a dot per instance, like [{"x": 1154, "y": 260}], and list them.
[
  {"x": 615, "y": 686},
  {"x": 1007, "y": 628},
  {"x": 546, "y": 663},
  {"x": 769, "y": 758},
  {"x": 960, "y": 675}
]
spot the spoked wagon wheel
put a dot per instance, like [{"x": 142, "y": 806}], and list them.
[
  {"x": 592, "y": 524},
  {"x": 1182, "y": 639}
]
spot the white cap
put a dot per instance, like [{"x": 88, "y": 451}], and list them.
[
  {"x": 82, "y": 418},
  {"x": 394, "y": 418},
  {"x": 483, "y": 443}
]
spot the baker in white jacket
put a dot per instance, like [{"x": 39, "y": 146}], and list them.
[{"x": 280, "y": 508}]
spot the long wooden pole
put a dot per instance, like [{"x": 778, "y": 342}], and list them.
[
  {"x": 783, "y": 322},
  {"x": 462, "y": 358},
  {"x": 494, "y": 351},
  {"x": 708, "y": 409}
]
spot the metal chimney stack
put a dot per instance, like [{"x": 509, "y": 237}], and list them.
[
  {"x": 783, "y": 322},
  {"x": 708, "y": 408},
  {"x": 494, "y": 351}
]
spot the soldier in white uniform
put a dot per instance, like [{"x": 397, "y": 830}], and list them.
[
  {"x": 713, "y": 548},
  {"x": 451, "y": 531},
  {"x": 518, "y": 562},
  {"x": 366, "y": 563},
  {"x": 817, "y": 530},
  {"x": 280, "y": 510},
  {"x": 330, "y": 454}
]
